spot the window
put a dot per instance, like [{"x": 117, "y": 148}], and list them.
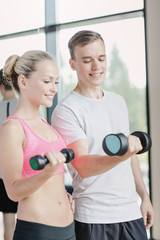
[
  {"x": 21, "y": 15},
  {"x": 20, "y": 44},
  {"x": 68, "y": 11}
]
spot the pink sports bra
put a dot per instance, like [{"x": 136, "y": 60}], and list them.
[{"x": 35, "y": 145}]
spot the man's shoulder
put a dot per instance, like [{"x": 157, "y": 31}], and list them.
[
  {"x": 65, "y": 105},
  {"x": 113, "y": 95},
  {"x": 69, "y": 101},
  {"x": 67, "y": 98}
]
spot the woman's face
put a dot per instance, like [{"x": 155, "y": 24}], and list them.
[{"x": 42, "y": 84}]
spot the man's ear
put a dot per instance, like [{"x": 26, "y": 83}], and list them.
[
  {"x": 22, "y": 82},
  {"x": 72, "y": 64}
]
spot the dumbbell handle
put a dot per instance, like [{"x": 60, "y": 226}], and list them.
[{"x": 38, "y": 162}]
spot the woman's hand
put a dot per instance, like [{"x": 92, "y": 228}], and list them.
[{"x": 56, "y": 159}]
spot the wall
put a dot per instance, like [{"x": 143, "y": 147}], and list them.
[{"x": 153, "y": 53}]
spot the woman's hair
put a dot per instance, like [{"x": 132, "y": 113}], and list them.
[
  {"x": 4, "y": 82},
  {"x": 81, "y": 39},
  {"x": 25, "y": 65}
]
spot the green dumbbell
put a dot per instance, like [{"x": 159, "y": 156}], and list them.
[{"x": 38, "y": 162}]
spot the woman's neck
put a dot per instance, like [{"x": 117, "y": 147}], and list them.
[{"x": 27, "y": 111}]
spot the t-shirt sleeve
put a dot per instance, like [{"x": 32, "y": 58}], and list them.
[{"x": 67, "y": 124}]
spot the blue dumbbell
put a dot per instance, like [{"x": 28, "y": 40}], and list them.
[{"x": 117, "y": 144}]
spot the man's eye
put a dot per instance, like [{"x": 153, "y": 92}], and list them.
[
  {"x": 87, "y": 61},
  {"x": 102, "y": 59}
]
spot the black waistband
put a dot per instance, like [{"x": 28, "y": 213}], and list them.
[{"x": 39, "y": 231}]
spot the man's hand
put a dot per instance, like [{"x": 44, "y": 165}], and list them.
[
  {"x": 147, "y": 213},
  {"x": 71, "y": 201}
]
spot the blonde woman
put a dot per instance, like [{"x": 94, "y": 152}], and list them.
[{"x": 44, "y": 211}]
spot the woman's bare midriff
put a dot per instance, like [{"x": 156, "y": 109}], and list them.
[{"x": 49, "y": 205}]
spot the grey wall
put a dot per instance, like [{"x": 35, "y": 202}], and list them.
[{"x": 153, "y": 52}]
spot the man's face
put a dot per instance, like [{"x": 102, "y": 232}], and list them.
[{"x": 90, "y": 63}]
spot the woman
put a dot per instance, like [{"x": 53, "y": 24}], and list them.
[
  {"x": 7, "y": 207},
  {"x": 44, "y": 210}
]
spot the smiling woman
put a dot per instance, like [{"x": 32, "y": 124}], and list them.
[{"x": 44, "y": 209}]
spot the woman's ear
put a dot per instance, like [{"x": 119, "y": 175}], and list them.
[
  {"x": 22, "y": 82},
  {"x": 72, "y": 64}
]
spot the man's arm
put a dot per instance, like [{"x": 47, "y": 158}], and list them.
[
  {"x": 146, "y": 206},
  {"x": 89, "y": 165},
  {"x": 68, "y": 125}
]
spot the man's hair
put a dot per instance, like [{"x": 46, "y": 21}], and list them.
[{"x": 81, "y": 39}]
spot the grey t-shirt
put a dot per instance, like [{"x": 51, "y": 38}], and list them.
[{"x": 109, "y": 197}]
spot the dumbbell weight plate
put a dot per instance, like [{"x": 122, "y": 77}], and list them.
[
  {"x": 68, "y": 153},
  {"x": 145, "y": 140},
  {"x": 38, "y": 162},
  {"x": 115, "y": 144}
]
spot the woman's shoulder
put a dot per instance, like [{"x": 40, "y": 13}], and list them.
[{"x": 11, "y": 127}]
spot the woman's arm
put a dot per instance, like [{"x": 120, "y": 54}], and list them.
[{"x": 12, "y": 139}]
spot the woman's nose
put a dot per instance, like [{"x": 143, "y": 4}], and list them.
[{"x": 54, "y": 87}]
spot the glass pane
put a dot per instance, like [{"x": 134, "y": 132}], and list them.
[
  {"x": 19, "y": 45},
  {"x": 72, "y": 10},
  {"x": 20, "y": 15},
  {"x": 126, "y": 75},
  {"x": 126, "y": 37}
]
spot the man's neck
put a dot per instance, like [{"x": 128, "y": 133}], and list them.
[{"x": 94, "y": 93}]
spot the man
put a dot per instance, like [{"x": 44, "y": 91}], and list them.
[{"x": 105, "y": 188}]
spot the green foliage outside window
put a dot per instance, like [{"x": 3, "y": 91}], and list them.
[{"x": 118, "y": 81}]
